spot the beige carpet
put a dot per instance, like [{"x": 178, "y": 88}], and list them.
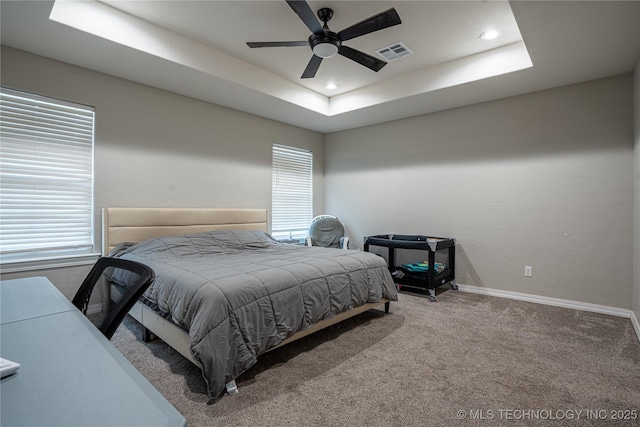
[{"x": 466, "y": 360}]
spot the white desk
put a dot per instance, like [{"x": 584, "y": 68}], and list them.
[
  {"x": 28, "y": 298},
  {"x": 70, "y": 374}
]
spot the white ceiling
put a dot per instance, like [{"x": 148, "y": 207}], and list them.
[
  {"x": 228, "y": 25},
  {"x": 197, "y": 48}
]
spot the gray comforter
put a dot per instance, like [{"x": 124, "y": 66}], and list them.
[{"x": 240, "y": 293}]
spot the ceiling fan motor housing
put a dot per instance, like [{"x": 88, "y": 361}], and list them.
[{"x": 325, "y": 45}]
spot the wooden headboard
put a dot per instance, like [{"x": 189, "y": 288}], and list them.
[{"x": 139, "y": 224}]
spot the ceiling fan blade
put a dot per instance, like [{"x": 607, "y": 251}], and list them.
[
  {"x": 312, "y": 67},
  {"x": 306, "y": 14},
  {"x": 277, "y": 44},
  {"x": 365, "y": 59},
  {"x": 385, "y": 19}
]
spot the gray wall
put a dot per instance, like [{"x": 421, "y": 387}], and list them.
[
  {"x": 636, "y": 182},
  {"x": 156, "y": 148},
  {"x": 543, "y": 179}
]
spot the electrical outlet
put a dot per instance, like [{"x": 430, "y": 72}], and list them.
[{"x": 528, "y": 271}]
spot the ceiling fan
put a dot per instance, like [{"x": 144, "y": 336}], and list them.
[{"x": 325, "y": 43}]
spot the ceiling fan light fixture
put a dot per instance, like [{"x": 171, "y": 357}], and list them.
[
  {"x": 490, "y": 35},
  {"x": 325, "y": 50}
]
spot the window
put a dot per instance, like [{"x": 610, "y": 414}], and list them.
[
  {"x": 46, "y": 177},
  {"x": 292, "y": 197}
]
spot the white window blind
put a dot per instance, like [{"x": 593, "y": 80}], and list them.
[
  {"x": 292, "y": 197},
  {"x": 46, "y": 177}
]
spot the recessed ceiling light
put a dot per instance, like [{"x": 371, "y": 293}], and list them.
[
  {"x": 331, "y": 86},
  {"x": 490, "y": 34}
]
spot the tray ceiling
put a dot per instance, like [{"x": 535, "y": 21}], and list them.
[{"x": 198, "y": 48}]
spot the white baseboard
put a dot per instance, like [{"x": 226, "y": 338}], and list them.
[
  {"x": 636, "y": 324},
  {"x": 577, "y": 305}
]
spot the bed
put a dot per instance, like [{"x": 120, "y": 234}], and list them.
[{"x": 226, "y": 292}]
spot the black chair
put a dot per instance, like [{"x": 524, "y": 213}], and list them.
[{"x": 124, "y": 282}]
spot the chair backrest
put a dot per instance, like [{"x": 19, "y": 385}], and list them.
[
  {"x": 123, "y": 281},
  {"x": 326, "y": 231}
]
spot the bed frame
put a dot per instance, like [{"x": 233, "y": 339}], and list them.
[{"x": 135, "y": 225}]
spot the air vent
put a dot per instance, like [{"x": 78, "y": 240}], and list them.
[{"x": 395, "y": 51}]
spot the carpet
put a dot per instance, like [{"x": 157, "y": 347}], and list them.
[{"x": 465, "y": 360}]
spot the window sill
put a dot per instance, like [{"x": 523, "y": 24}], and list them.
[
  {"x": 299, "y": 242},
  {"x": 49, "y": 262}
]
